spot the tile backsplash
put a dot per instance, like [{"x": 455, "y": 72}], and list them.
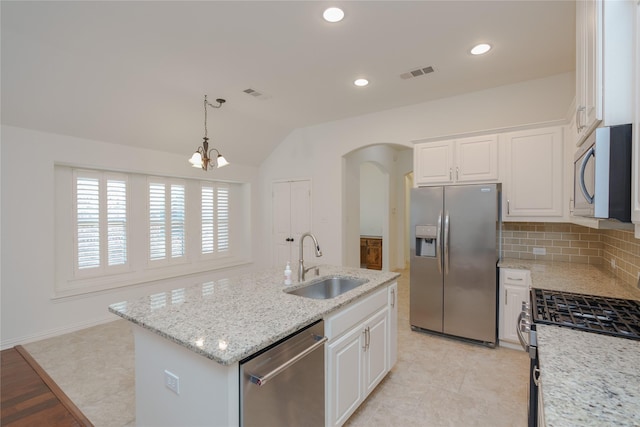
[{"x": 574, "y": 243}]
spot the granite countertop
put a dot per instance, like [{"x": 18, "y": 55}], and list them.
[
  {"x": 229, "y": 319},
  {"x": 587, "y": 379},
  {"x": 571, "y": 277}
]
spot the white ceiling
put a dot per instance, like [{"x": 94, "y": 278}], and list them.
[{"x": 135, "y": 73}]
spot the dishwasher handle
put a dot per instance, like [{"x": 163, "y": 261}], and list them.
[{"x": 263, "y": 379}]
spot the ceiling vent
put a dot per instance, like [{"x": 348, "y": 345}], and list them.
[
  {"x": 256, "y": 94},
  {"x": 416, "y": 73}
]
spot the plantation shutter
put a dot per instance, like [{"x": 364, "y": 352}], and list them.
[
  {"x": 87, "y": 222},
  {"x": 157, "y": 222},
  {"x": 207, "y": 220},
  {"x": 177, "y": 221},
  {"x": 116, "y": 222},
  {"x": 222, "y": 218}
]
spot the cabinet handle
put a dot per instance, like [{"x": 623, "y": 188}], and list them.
[
  {"x": 450, "y": 177},
  {"x": 508, "y": 208},
  {"x": 578, "y": 121},
  {"x": 515, "y": 278},
  {"x": 368, "y": 337},
  {"x": 457, "y": 172},
  {"x": 506, "y": 291},
  {"x": 364, "y": 345},
  {"x": 393, "y": 298}
]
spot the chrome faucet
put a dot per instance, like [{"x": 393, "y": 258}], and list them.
[{"x": 301, "y": 269}]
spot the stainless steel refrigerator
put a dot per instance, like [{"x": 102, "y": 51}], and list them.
[{"x": 455, "y": 247}]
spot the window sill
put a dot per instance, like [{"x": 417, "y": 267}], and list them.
[{"x": 96, "y": 285}]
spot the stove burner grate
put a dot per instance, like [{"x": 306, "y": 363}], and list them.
[{"x": 610, "y": 316}]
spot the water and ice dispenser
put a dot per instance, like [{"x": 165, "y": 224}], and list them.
[{"x": 426, "y": 238}]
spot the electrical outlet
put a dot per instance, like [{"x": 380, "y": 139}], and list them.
[
  {"x": 613, "y": 264},
  {"x": 539, "y": 251},
  {"x": 172, "y": 381}
]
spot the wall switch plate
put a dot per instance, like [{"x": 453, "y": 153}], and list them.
[
  {"x": 172, "y": 381},
  {"x": 539, "y": 251}
]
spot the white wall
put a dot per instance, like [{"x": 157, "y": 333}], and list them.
[
  {"x": 317, "y": 151},
  {"x": 373, "y": 198},
  {"x": 28, "y": 268}
]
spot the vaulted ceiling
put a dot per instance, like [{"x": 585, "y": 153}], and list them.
[{"x": 135, "y": 73}]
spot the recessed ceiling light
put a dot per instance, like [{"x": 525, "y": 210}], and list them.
[
  {"x": 333, "y": 14},
  {"x": 361, "y": 82},
  {"x": 480, "y": 49}
]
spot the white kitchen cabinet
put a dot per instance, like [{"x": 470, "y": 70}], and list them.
[
  {"x": 604, "y": 64},
  {"x": 472, "y": 159},
  {"x": 393, "y": 325},
  {"x": 358, "y": 353},
  {"x": 291, "y": 217},
  {"x": 533, "y": 178},
  {"x": 514, "y": 289}
]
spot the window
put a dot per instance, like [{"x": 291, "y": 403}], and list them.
[
  {"x": 116, "y": 229},
  {"x": 167, "y": 234},
  {"x": 100, "y": 217},
  {"x": 214, "y": 218}
]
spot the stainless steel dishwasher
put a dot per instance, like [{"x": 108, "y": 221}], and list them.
[{"x": 283, "y": 385}]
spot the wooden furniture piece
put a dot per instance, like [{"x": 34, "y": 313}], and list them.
[{"x": 371, "y": 252}]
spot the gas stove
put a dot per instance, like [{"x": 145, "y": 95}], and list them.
[{"x": 590, "y": 313}]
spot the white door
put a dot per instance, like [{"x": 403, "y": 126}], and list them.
[{"x": 291, "y": 217}]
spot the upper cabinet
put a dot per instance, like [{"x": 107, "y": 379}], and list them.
[
  {"x": 533, "y": 175},
  {"x": 465, "y": 160},
  {"x": 603, "y": 80}
]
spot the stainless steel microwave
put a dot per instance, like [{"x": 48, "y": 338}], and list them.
[{"x": 602, "y": 175}]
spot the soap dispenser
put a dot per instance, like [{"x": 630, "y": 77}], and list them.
[{"x": 287, "y": 274}]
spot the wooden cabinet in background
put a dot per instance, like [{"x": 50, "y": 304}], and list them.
[{"x": 371, "y": 253}]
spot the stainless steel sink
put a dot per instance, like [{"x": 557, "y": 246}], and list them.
[{"x": 328, "y": 287}]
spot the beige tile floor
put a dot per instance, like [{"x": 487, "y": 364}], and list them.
[{"x": 436, "y": 381}]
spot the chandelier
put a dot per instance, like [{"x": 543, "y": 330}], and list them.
[{"x": 203, "y": 158}]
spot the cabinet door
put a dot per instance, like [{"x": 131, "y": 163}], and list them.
[
  {"x": 588, "y": 67},
  {"x": 345, "y": 382},
  {"x": 433, "y": 163},
  {"x": 374, "y": 254},
  {"x": 393, "y": 325},
  {"x": 534, "y": 178},
  {"x": 375, "y": 354},
  {"x": 514, "y": 289},
  {"x": 476, "y": 159}
]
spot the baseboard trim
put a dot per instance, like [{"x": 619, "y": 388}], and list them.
[{"x": 5, "y": 344}]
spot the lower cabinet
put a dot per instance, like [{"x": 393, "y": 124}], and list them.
[
  {"x": 514, "y": 289},
  {"x": 359, "y": 351}
]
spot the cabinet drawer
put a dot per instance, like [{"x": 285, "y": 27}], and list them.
[
  {"x": 516, "y": 277},
  {"x": 337, "y": 323}
]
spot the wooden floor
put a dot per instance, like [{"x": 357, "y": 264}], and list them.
[{"x": 29, "y": 397}]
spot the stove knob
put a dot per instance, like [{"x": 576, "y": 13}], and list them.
[{"x": 525, "y": 306}]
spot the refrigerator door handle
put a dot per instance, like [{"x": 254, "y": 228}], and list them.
[
  {"x": 446, "y": 243},
  {"x": 438, "y": 243}
]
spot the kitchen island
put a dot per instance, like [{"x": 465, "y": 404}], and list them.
[
  {"x": 201, "y": 333},
  {"x": 587, "y": 379}
]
